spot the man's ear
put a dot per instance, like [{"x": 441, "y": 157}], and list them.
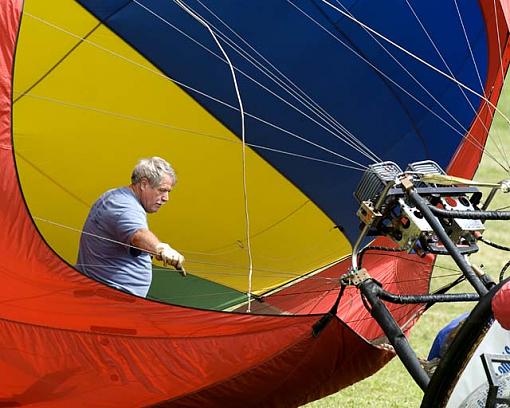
[{"x": 144, "y": 183}]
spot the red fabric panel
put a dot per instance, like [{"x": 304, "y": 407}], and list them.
[
  {"x": 63, "y": 368},
  {"x": 501, "y": 306},
  {"x": 466, "y": 160},
  {"x": 67, "y": 341},
  {"x": 307, "y": 370},
  {"x": 398, "y": 273}
]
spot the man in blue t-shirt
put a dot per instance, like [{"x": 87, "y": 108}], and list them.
[{"x": 116, "y": 243}]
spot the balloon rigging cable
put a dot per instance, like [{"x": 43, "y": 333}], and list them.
[{"x": 241, "y": 109}]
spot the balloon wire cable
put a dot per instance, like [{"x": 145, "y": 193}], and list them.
[
  {"x": 269, "y": 70},
  {"x": 500, "y": 147},
  {"x": 417, "y": 58},
  {"x": 318, "y": 288},
  {"x": 355, "y": 165},
  {"x": 437, "y": 70},
  {"x": 354, "y": 145},
  {"x": 498, "y": 35},
  {"x": 243, "y": 148},
  {"x": 469, "y": 138},
  {"x": 501, "y": 70},
  {"x": 243, "y": 139},
  {"x": 484, "y": 149},
  {"x": 424, "y": 105}
]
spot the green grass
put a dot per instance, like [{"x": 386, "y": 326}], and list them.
[{"x": 392, "y": 386}]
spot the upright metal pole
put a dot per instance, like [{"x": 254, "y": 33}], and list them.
[
  {"x": 397, "y": 338},
  {"x": 459, "y": 259},
  {"x": 362, "y": 235}
]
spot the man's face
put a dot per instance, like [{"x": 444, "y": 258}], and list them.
[{"x": 152, "y": 198}]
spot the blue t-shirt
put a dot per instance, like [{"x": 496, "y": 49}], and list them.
[
  {"x": 442, "y": 335},
  {"x": 104, "y": 252}
]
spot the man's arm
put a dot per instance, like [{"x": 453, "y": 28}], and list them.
[{"x": 146, "y": 240}]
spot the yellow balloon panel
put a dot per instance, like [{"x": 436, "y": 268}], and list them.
[
  {"x": 80, "y": 130},
  {"x": 50, "y": 30}
]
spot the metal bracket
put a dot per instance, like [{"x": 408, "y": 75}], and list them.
[
  {"x": 407, "y": 182},
  {"x": 355, "y": 277},
  {"x": 367, "y": 213}
]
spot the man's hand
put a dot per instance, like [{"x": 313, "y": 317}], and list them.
[{"x": 170, "y": 256}]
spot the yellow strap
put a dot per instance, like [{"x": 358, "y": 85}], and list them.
[{"x": 451, "y": 180}]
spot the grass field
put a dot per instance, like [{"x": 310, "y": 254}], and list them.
[{"x": 393, "y": 386}]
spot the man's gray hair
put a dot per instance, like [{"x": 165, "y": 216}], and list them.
[{"x": 152, "y": 169}]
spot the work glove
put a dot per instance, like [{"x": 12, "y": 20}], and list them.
[{"x": 170, "y": 256}]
